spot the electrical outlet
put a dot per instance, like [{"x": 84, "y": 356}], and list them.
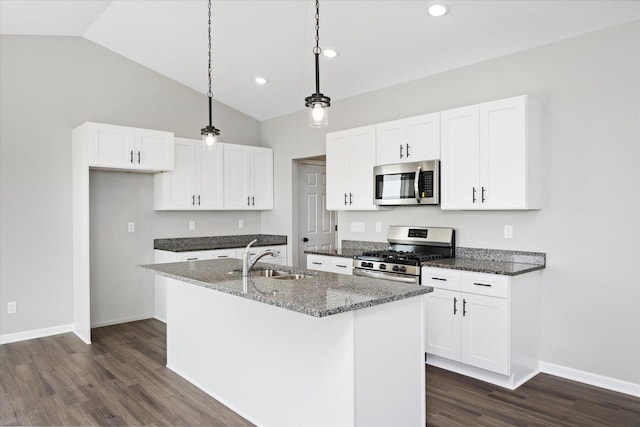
[
  {"x": 192, "y": 225},
  {"x": 131, "y": 227},
  {"x": 241, "y": 223},
  {"x": 357, "y": 227},
  {"x": 508, "y": 231},
  {"x": 378, "y": 226},
  {"x": 12, "y": 307}
]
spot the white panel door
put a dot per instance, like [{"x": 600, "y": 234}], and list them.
[
  {"x": 153, "y": 149},
  {"x": 422, "y": 138},
  {"x": 460, "y": 169},
  {"x": 485, "y": 333},
  {"x": 337, "y": 170},
  {"x": 503, "y": 154},
  {"x": 111, "y": 146},
  {"x": 443, "y": 310},
  {"x": 261, "y": 188},
  {"x": 236, "y": 177},
  {"x": 362, "y": 159},
  {"x": 209, "y": 177}
]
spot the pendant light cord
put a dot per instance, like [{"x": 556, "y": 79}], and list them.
[
  {"x": 210, "y": 94},
  {"x": 316, "y": 49}
]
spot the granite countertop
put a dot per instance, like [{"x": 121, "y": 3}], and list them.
[
  {"x": 320, "y": 294},
  {"x": 186, "y": 244},
  {"x": 505, "y": 268},
  {"x": 339, "y": 252}
]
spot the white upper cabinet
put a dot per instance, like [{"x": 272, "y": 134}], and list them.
[
  {"x": 126, "y": 148},
  {"x": 351, "y": 156},
  {"x": 491, "y": 155},
  {"x": 248, "y": 177},
  {"x": 408, "y": 140},
  {"x": 196, "y": 181}
]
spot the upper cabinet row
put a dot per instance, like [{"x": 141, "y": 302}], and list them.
[
  {"x": 229, "y": 176},
  {"x": 490, "y": 156}
]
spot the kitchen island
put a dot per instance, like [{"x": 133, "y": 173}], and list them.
[{"x": 325, "y": 349}]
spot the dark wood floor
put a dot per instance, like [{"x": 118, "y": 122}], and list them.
[{"x": 121, "y": 380}]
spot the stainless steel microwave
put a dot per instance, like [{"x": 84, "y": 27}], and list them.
[{"x": 415, "y": 183}]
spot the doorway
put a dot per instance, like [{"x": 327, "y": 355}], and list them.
[{"x": 316, "y": 226}]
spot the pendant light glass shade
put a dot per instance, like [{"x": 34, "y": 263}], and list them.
[{"x": 318, "y": 114}]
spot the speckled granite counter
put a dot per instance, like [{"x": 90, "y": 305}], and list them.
[
  {"x": 339, "y": 252},
  {"x": 493, "y": 261},
  {"x": 319, "y": 295},
  {"x": 186, "y": 244}
]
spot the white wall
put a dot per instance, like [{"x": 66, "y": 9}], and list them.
[
  {"x": 589, "y": 87},
  {"x": 49, "y": 85}
]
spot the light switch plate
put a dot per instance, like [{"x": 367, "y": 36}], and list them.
[
  {"x": 508, "y": 231},
  {"x": 241, "y": 223},
  {"x": 192, "y": 225},
  {"x": 378, "y": 226},
  {"x": 131, "y": 227},
  {"x": 12, "y": 307}
]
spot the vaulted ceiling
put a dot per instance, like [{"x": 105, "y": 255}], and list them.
[{"x": 380, "y": 43}]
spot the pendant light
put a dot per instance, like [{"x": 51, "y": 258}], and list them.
[
  {"x": 317, "y": 103},
  {"x": 209, "y": 133}
]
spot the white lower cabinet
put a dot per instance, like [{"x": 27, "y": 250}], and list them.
[
  {"x": 330, "y": 264},
  {"x": 482, "y": 324}
]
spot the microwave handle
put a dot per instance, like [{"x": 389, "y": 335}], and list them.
[{"x": 416, "y": 183}]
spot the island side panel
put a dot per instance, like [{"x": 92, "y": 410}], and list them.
[
  {"x": 389, "y": 364},
  {"x": 271, "y": 365}
]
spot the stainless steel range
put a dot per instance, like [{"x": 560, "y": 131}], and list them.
[{"x": 408, "y": 248}]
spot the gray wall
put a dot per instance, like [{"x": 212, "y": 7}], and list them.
[
  {"x": 49, "y": 85},
  {"x": 589, "y": 227}
]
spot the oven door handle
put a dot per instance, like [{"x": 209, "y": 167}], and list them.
[
  {"x": 387, "y": 276},
  {"x": 416, "y": 184}
]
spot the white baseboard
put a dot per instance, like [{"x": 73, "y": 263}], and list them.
[
  {"x": 118, "y": 321},
  {"x": 596, "y": 380},
  {"x": 36, "y": 333}
]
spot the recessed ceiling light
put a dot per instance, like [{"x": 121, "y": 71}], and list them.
[
  {"x": 260, "y": 80},
  {"x": 330, "y": 52},
  {"x": 438, "y": 9}
]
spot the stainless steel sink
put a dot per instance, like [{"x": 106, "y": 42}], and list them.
[{"x": 275, "y": 274}]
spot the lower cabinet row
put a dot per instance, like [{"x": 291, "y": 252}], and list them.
[
  {"x": 483, "y": 324},
  {"x": 160, "y": 283},
  {"x": 330, "y": 264}
]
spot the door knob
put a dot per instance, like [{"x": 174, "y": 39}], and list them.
[{"x": 304, "y": 239}]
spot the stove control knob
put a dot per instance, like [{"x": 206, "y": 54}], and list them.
[
  {"x": 395, "y": 268},
  {"x": 403, "y": 269},
  {"x": 382, "y": 266}
]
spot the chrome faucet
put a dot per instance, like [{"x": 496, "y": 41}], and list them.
[{"x": 248, "y": 263}]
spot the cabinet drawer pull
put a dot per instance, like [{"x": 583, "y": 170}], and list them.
[
  {"x": 316, "y": 263},
  {"x": 341, "y": 265},
  {"x": 464, "y": 307},
  {"x": 455, "y": 305},
  {"x": 223, "y": 256},
  {"x": 192, "y": 259},
  {"x": 482, "y": 284},
  {"x": 439, "y": 278}
]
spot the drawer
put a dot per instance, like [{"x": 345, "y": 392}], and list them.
[
  {"x": 493, "y": 285},
  {"x": 441, "y": 278},
  {"x": 319, "y": 262},
  {"x": 342, "y": 265}
]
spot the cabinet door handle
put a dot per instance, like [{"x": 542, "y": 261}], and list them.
[
  {"x": 400, "y": 150},
  {"x": 455, "y": 305},
  {"x": 253, "y": 200},
  {"x": 482, "y": 284},
  {"x": 439, "y": 278},
  {"x": 192, "y": 259},
  {"x": 474, "y": 194},
  {"x": 464, "y": 307},
  {"x": 193, "y": 200},
  {"x": 131, "y": 157},
  {"x": 341, "y": 265},
  {"x": 223, "y": 256},
  {"x": 198, "y": 200},
  {"x": 350, "y": 198},
  {"x": 248, "y": 201},
  {"x": 316, "y": 263},
  {"x": 407, "y": 151},
  {"x": 483, "y": 198},
  {"x": 138, "y": 157},
  {"x": 345, "y": 199}
]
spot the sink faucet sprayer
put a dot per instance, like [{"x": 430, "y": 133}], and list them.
[{"x": 247, "y": 263}]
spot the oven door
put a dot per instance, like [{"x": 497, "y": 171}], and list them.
[
  {"x": 416, "y": 183},
  {"x": 387, "y": 276}
]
